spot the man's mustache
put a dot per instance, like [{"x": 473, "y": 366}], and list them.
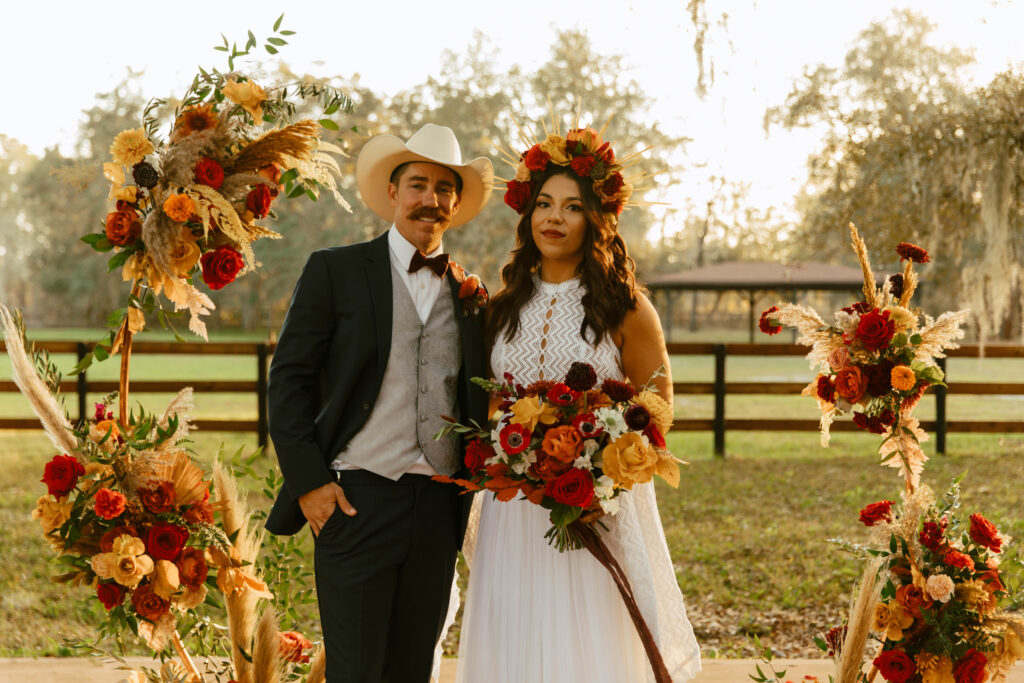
[{"x": 431, "y": 212}]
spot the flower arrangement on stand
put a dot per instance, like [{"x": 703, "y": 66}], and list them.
[
  {"x": 129, "y": 511},
  {"x": 931, "y": 587}
]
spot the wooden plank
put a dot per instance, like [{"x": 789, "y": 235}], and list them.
[
  {"x": 169, "y": 348},
  {"x": 693, "y": 388},
  {"x": 226, "y": 425},
  {"x": 775, "y": 388},
  {"x": 166, "y": 386},
  {"x": 987, "y": 388}
]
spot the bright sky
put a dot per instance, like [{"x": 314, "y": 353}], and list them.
[{"x": 58, "y": 54}]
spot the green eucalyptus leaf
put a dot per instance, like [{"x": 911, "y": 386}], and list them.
[
  {"x": 272, "y": 50},
  {"x": 328, "y": 124},
  {"x": 277, "y": 24},
  {"x": 277, "y": 41}
]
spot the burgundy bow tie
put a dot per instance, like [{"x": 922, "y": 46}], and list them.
[{"x": 438, "y": 264}]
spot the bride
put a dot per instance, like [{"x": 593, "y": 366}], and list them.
[{"x": 532, "y": 613}]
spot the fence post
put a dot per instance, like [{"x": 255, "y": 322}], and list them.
[
  {"x": 940, "y": 412},
  {"x": 262, "y": 419},
  {"x": 83, "y": 384},
  {"x": 719, "y": 422}
]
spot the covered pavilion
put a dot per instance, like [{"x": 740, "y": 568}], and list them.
[{"x": 750, "y": 278}]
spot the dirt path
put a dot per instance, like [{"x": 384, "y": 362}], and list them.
[{"x": 78, "y": 670}]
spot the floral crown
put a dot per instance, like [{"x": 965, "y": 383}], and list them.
[{"x": 583, "y": 150}]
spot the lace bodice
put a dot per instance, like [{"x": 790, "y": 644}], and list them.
[{"x": 548, "y": 340}]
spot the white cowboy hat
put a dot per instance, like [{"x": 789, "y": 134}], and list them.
[{"x": 433, "y": 144}]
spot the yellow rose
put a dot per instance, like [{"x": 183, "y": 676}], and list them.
[
  {"x": 529, "y": 411},
  {"x": 165, "y": 579},
  {"x": 130, "y": 147},
  {"x": 126, "y": 563},
  {"x": 522, "y": 173},
  {"x": 185, "y": 254},
  {"x": 555, "y": 147},
  {"x": 247, "y": 94},
  {"x": 630, "y": 460},
  {"x": 889, "y": 618},
  {"x": 52, "y": 512}
]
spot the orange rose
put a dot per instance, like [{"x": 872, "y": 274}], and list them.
[
  {"x": 123, "y": 227},
  {"x": 148, "y": 604},
  {"x": 549, "y": 467},
  {"x": 562, "y": 442},
  {"x": 851, "y": 383},
  {"x": 912, "y": 599}
]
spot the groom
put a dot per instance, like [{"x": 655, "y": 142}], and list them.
[{"x": 377, "y": 345}]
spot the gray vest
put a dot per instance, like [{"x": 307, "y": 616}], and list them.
[{"x": 419, "y": 386}]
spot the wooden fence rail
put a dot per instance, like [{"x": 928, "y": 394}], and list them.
[{"x": 719, "y": 388}]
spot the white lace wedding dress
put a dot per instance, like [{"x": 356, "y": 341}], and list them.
[{"x": 535, "y": 615}]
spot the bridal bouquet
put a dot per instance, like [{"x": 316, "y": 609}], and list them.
[
  {"x": 568, "y": 446},
  {"x": 938, "y": 613},
  {"x": 876, "y": 358}
]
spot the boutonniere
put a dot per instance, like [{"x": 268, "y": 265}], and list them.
[{"x": 472, "y": 292}]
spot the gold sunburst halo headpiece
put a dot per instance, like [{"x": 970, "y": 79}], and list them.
[{"x": 584, "y": 151}]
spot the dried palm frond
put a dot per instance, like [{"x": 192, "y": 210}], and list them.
[
  {"x": 870, "y": 293},
  {"x": 254, "y": 232},
  {"x": 44, "y": 404},
  {"x": 905, "y": 450},
  {"x": 266, "y": 652},
  {"x": 213, "y": 208},
  {"x": 850, "y": 658},
  {"x": 297, "y": 140},
  {"x": 188, "y": 478},
  {"x": 78, "y": 174}
]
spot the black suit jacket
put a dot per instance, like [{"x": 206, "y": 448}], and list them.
[{"x": 330, "y": 361}]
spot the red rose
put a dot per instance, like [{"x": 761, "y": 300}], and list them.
[
  {"x": 292, "y": 646},
  {"x": 611, "y": 186},
  {"x": 575, "y": 487},
  {"x": 605, "y": 153},
  {"x": 192, "y": 568},
  {"x": 258, "y": 200},
  {"x": 148, "y": 604},
  {"x": 271, "y": 172},
  {"x": 955, "y": 558},
  {"x": 517, "y": 194},
  {"x": 476, "y": 453},
  {"x": 158, "y": 498},
  {"x": 123, "y": 227},
  {"x": 971, "y": 667},
  {"x": 879, "y": 377},
  {"x": 582, "y": 165},
  {"x": 515, "y": 439},
  {"x": 221, "y": 266},
  {"x": 876, "y": 512},
  {"x": 61, "y": 474},
  {"x": 536, "y": 159},
  {"x": 767, "y": 324},
  {"x": 164, "y": 541},
  {"x": 875, "y": 330},
  {"x": 561, "y": 395},
  {"x": 895, "y": 666},
  {"x": 654, "y": 435},
  {"x": 984, "y": 533},
  {"x": 109, "y": 504},
  {"x": 209, "y": 172},
  {"x": 110, "y": 594},
  {"x": 549, "y": 467}
]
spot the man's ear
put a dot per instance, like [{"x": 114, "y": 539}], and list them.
[{"x": 393, "y": 194}]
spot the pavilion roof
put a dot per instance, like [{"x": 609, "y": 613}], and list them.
[{"x": 754, "y": 275}]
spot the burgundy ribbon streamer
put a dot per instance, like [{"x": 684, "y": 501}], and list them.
[{"x": 592, "y": 542}]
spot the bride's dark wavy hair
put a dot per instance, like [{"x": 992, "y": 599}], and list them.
[{"x": 606, "y": 271}]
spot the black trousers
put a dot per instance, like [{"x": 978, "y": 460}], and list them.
[{"x": 383, "y": 577}]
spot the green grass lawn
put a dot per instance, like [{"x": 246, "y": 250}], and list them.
[{"x": 747, "y": 533}]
